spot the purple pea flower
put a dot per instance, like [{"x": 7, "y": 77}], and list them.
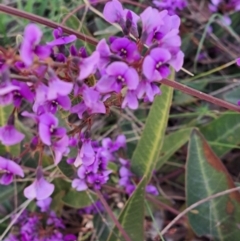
[
  {"x": 59, "y": 39},
  {"x": 113, "y": 146},
  {"x": 104, "y": 53},
  {"x": 82, "y": 52},
  {"x": 6, "y": 87},
  {"x": 152, "y": 19},
  {"x": 60, "y": 148},
  {"x": 48, "y": 128},
  {"x": 130, "y": 100},
  {"x": 171, "y": 5},
  {"x": 155, "y": 64},
  {"x": 7, "y": 93},
  {"x": 44, "y": 204},
  {"x": 57, "y": 87},
  {"x": 152, "y": 190},
  {"x": 99, "y": 179},
  {"x": 148, "y": 89},
  {"x": 91, "y": 99},
  {"x": 114, "y": 13},
  {"x": 117, "y": 75},
  {"x": 238, "y": 62},
  {"x": 30, "y": 45},
  {"x": 9, "y": 168},
  {"x": 23, "y": 92},
  {"x": 125, "y": 48},
  {"x": 40, "y": 188},
  {"x": 88, "y": 65},
  {"x": 79, "y": 184},
  {"x": 86, "y": 154},
  {"x": 9, "y": 135}
]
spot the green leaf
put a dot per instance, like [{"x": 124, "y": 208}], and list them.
[
  {"x": 78, "y": 199},
  {"x": 232, "y": 95},
  {"x": 149, "y": 146},
  {"x": 5, "y": 112},
  {"x": 132, "y": 216},
  {"x": 206, "y": 175},
  {"x": 223, "y": 132},
  {"x": 171, "y": 144},
  {"x": 66, "y": 169}
]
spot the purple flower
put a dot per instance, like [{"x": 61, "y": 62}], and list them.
[
  {"x": 104, "y": 52},
  {"x": 29, "y": 46},
  {"x": 79, "y": 109},
  {"x": 238, "y": 62},
  {"x": 48, "y": 128},
  {"x": 59, "y": 39},
  {"x": 113, "y": 146},
  {"x": 58, "y": 87},
  {"x": 117, "y": 75},
  {"x": 130, "y": 100},
  {"x": 79, "y": 185},
  {"x": 86, "y": 154},
  {"x": 60, "y": 148},
  {"x": 88, "y": 65},
  {"x": 9, "y": 135},
  {"x": 148, "y": 89},
  {"x": 7, "y": 93},
  {"x": 40, "y": 188},
  {"x": 23, "y": 92},
  {"x": 99, "y": 179},
  {"x": 91, "y": 99},
  {"x": 152, "y": 190},
  {"x": 171, "y": 5},
  {"x": 114, "y": 13},
  {"x": 125, "y": 48},
  {"x": 155, "y": 64},
  {"x": 152, "y": 19},
  {"x": 9, "y": 168},
  {"x": 44, "y": 204}
]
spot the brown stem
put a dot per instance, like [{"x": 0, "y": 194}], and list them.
[
  {"x": 200, "y": 95},
  {"x": 46, "y": 22},
  {"x": 112, "y": 216}
]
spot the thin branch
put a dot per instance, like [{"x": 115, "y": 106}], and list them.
[
  {"x": 111, "y": 214},
  {"x": 164, "y": 231},
  {"x": 46, "y": 22},
  {"x": 200, "y": 95}
]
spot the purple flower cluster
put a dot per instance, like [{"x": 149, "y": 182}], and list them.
[
  {"x": 44, "y": 226},
  {"x": 58, "y": 76},
  {"x": 125, "y": 181},
  {"x": 171, "y": 5},
  {"x": 92, "y": 162}
]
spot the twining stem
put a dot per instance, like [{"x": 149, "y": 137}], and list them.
[
  {"x": 164, "y": 231},
  {"x": 46, "y": 22},
  {"x": 200, "y": 95},
  {"x": 112, "y": 216}
]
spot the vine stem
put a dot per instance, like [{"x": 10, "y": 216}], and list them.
[
  {"x": 111, "y": 214},
  {"x": 219, "y": 194},
  {"x": 200, "y": 95},
  {"x": 46, "y": 22}
]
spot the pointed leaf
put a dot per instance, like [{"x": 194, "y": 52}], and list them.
[
  {"x": 132, "y": 216},
  {"x": 223, "y": 132},
  {"x": 206, "y": 175},
  {"x": 149, "y": 146},
  {"x": 171, "y": 144}
]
